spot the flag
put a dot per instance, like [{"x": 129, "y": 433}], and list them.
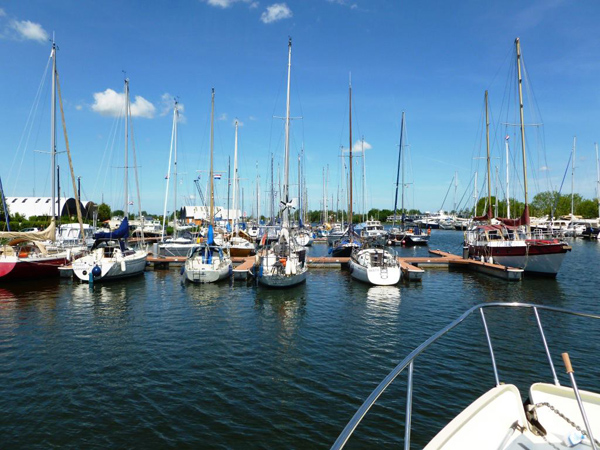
[
  {"x": 130, "y": 202},
  {"x": 507, "y": 137},
  {"x": 166, "y": 177},
  {"x": 217, "y": 176}
]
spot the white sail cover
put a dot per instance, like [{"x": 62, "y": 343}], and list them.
[{"x": 49, "y": 234}]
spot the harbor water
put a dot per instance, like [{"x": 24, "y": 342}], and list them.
[{"x": 151, "y": 362}]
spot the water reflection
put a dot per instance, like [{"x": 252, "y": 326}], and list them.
[{"x": 388, "y": 296}]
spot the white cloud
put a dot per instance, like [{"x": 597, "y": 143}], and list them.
[
  {"x": 344, "y": 3},
  {"x": 222, "y": 117},
  {"x": 252, "y": 118},
  {"x": 78, "y": 107},
  {"x": 2, "y": 12},
  {"x": 166, "y": 106},
  {"x": 228, "y": 3},
  {"x": 29, "y": 30},
  {"x": 544, "y": 169},
  {"x": 276, "y": 12},
  {"x": 359, "y": 145},
  {"x": 111, "y": 103}
]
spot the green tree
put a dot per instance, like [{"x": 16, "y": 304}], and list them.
[
  {"x": 104, "y": 212},
  {"x": 588, "y": 209}
]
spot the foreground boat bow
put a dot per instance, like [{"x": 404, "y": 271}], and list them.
[{"x": 555, "y": 417}]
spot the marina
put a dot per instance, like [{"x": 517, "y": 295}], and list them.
[
  {"x": 212, "y": 238},
  {"x": 242, "y": 365}
]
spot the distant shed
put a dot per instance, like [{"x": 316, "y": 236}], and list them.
[{"x": 42, "y": 206}]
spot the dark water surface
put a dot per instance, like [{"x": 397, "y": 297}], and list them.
[{"x": 153, "y": 363}]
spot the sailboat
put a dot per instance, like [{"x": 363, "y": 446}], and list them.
[
  {"x": 511, "y": 243},
  {"x": 240, "y": 243},
  {"x": 111, "y": 257},
  {"x": 177, "y": 245},
  {"x": 408, "y": 237},
  {"x": 349, "y": 241},
  {"x": 209, "y": 262},
  {"x": 26, "y": 256},
  {"x": 284, "y": 263}
]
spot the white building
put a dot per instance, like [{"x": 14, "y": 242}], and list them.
[{"x": 42, "y": 206}]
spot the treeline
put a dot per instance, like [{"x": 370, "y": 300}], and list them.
[{"x": 549, "y": 203}]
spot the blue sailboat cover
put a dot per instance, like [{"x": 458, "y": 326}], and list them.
[
  {"x": 120, "y": 233},
  {"x": 211, "y": 235}
]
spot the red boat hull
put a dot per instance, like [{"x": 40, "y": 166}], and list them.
[{"x": 22, "y": 269}]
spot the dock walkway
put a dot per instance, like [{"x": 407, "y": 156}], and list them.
[{"x": 412, "y": 266}]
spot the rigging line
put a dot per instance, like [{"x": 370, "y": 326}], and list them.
[
  {"x": 27, "y": 130},
  {"x": 561, "y": 186},
  {"x": 447, "y": 192}
]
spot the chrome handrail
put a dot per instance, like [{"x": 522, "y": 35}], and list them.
[{"x": 378, "y": 391}]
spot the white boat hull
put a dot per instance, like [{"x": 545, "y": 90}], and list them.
[
  {"x": 111, "y": 268},
  {"x": 377, "y": 276},
  {"x": 374, "y": 266},
  {"x": 198, "y": 272}
]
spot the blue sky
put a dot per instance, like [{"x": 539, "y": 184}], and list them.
[{"x": 433, "y": 60}]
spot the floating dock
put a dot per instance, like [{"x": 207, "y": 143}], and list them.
[{"x": 411, "y": 267}]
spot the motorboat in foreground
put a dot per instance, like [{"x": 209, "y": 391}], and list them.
[{"x": 554, "y": 417}]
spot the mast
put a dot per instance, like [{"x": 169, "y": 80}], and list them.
[
  {"x": 175, "y": 119},
  {"x": 364, "y": 179},
  {"x": 507, "y": 179},
  {"x": 228, "y": 189},
  {"x": 212, "y": 138},
  {"x": 573, "y": 178},
  {"x": 53, "y": 131},
  {"x": 597, "y": 179},
  {"x": 487, "y": 145},
  {"x": 126, "y": 147},
  {"x": 173, "y": 139},
  {"x": 522, "y": 119},
  {"x": 286, "y": 174},
  {"x": 402, "y": 138},
  {"x": 350, "y": 215},
  {"x": 235, "y": 177}
]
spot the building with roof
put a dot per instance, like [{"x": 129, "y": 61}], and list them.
[{"x": 42, "y": 206}]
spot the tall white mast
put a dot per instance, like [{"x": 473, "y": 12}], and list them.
[
  {"x": 507, "y": 179},
  {"x": 53, "y": 131},
  {"x": 212, "y": 136},
  {"x": 235, "y": 178},
  {"x": 126, "y": 147},
  {"x": 598, "y": 178},
  {"x": 522, "y": 119},
  {"x": 364, "y": 178},
  {"x": 175, "y": 121},
  {"x": 286, "y": 179},
  {"x": 573, "y": 177},
  {"x": 173, "y": 144}
]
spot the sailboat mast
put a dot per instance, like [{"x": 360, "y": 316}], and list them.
[
  {"x": 212, "y": 138},
  {"x": 286, "y": 180},
  {"x": 573, "y": 178},
  {"x": 487, "y": 145},
  {"x": 350, "y": 215},
  {"x": 168, "y": 177},
  {"x": 402, "y": 138},
  {"x": 364, "y": 179},
  {"x": 597, "y": 179},
  {"x": 176, "y": 119},
  {"x": 126, "y": 147},
  {"x": 521, "y": 116},
  {"x": 235, "y": 177},
  {"x": 507, "y": 179},
  {"x": 53, "y": 132}
]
